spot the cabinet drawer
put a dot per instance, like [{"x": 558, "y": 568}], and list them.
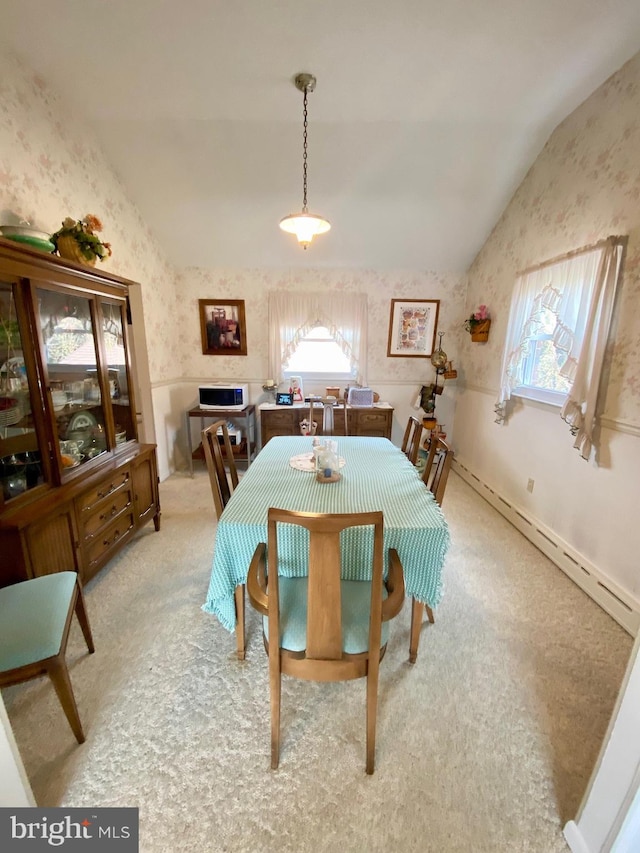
[
  {"x": 371, "y": 423},
  {"x": 105, "y": 511},
  {"x": 281, "y": 420},
  {"x": 372, "y": 419},
  {"x": 111, "y": 537},
  {"x": 117, "y": 480}
]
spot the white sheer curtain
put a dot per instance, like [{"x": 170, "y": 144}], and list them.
[
  {"x": 292, "y": 315},
  {"x": 580, "y": 292}
]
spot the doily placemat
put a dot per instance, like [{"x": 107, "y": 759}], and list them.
[{"x": 307, "y": 462}]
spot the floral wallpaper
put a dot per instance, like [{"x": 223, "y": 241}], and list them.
[
  {"x": 584, "y": 185},
  {"x": 381, "y": 287},
  {"x": 51, "y": 167}
]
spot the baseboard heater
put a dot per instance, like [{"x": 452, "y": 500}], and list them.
[{"x": 615, "y": 601}]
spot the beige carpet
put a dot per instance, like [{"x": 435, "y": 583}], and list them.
[{"x": 485, "y": 745}]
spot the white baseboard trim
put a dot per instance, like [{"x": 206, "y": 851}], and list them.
[
  {"x": 574, "y": 838},
  {"x": 605, "y": 592}
]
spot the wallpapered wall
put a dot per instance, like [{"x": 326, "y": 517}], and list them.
[
  {"x": 584, "y": 185},
  {"x": 254, "y": 285},
  {"x": 51, "y": 166}
]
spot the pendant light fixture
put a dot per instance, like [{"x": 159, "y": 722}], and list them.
[{"x": 304, "y": 225}]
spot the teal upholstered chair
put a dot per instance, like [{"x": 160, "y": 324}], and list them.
[
  {"x": 35, "y": 617},
  {"x": 326, "y": 628}
]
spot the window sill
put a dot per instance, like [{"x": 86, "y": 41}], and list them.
[{"x": 540, "y": 395}]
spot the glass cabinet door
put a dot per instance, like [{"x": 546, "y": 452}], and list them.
[
  {"x": 67, "y": 326},
  {"x": 21, "y": 466},
  {"x": 113, "y": 324}
]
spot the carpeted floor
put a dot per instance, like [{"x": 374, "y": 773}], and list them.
[{"x": 484, "y": 746}]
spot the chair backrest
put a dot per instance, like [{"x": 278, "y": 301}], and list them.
[
  {"x": 328, "y": 416},
  {"x": 411, "y": 441},
  {"x": 436, "y": 470},
  {"x": 324, "y": 647},
  {"x": 308, "y": 426},
  {"x": 213, "y": 454}
]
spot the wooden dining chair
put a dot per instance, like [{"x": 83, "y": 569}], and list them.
[
  {"x": 222, "y": 486},
  {"x": 434, "y": 476},
  {"x": 411, "y": 440},
  {"x": 308, "y": 425},
  {"x": 324, "y": 628},
  {"x": 35, "y": 618},
  {"x": 436, "y": 469}
]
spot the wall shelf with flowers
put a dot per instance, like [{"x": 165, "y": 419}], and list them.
[{"x": 478, "y": 325}]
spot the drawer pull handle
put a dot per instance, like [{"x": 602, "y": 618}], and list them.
[
  {"x": 111, "y": 488},
  {"x": 114, "y": 510},
  {"x": 116, "y": 536}
]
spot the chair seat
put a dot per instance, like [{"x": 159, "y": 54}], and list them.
[
  {"x": 356, "y": 603},
  {"x": 32, "y": 618}
]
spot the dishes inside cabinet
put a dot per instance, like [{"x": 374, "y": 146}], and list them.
[
  {"x": 10, "y": 412},
  {"x": 59, "y": 400},
  {"x": 82, "y": 421}
]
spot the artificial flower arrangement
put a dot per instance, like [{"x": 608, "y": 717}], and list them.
[
  {"x": 479, "y": 316},
  {"x": 78, "y": 240}
]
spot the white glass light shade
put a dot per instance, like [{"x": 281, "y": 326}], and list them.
[{"x": 305, "y": 226}]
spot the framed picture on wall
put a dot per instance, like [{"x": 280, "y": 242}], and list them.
[
  {"x": 412, "y": 327},
  {"x": 223, "y": 327}
]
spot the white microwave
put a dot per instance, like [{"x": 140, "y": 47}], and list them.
[{"x": 223, "y": 396}]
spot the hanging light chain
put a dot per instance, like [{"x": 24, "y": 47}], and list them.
[
  {"x": 305, "y": 225},
  {"x": 304, "y": 154}
]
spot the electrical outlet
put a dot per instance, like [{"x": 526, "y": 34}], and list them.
[{"x": 529, "y": 485}]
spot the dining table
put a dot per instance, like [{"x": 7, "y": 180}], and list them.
[{"x": 375, "y": 475}]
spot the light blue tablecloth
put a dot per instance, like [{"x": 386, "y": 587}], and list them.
[{"x": 376, "y": 476}]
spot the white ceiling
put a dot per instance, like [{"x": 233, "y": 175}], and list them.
[{"x": 425, "y": 118}]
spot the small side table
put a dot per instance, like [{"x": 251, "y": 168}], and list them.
[{"x": 248, "y": 415}]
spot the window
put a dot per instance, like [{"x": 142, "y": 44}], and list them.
[
  {"x": 558, "y": 329},
  {"x": 542, "y": 364},
  {"x": 318, "y": 355},
  {"x": 320, "y": 336}
]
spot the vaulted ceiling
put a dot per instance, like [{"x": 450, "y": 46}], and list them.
[{"x": 425, "y": 118}]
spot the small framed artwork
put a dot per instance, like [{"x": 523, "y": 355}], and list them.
[
  {"x": 223, "y": 327},
  {"x": 412, "y": 327}
]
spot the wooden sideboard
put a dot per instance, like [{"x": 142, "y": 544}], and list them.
[{"x": 285, "y": 420}]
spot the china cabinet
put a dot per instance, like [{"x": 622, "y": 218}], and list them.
[{"x": 75, "y": 483}]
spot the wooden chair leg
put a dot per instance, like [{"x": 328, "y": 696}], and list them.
[
  {"x": 59, "y": 675},
  {"x": 416, "y": 624},
  {"x": 372, "y": 712},
  {"x": 275, "y": 679},
  {"x": 81, "y": 613},
  {"x": 240, "y": 620}
]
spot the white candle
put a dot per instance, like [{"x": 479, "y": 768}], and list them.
[{"x": 270, "y": 382}]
